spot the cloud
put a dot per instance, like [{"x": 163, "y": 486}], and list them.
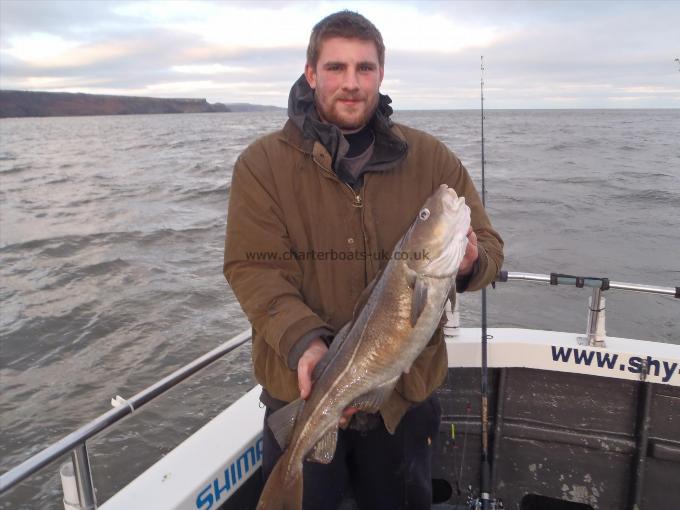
[{"x": 537, "y": 54}]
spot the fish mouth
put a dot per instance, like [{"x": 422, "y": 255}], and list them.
[
  {"x": 452, "y": 202},
  {"x": 462, "y": 213},
  {"x": 453, "y": 244},
  {"x": 458, "y": 213}
]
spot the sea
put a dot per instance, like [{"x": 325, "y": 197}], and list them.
[{"x": 112, "y": 236}]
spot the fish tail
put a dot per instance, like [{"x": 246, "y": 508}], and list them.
[{"x": 281, "y": 492}]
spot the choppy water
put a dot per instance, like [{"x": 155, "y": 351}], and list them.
[{"x": 111, "y": 238}]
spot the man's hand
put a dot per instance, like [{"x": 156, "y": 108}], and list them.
[
  {"x": 471, "y": 254},
  {"x": 317, "y": 349}
]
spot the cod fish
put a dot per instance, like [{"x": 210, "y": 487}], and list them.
[{"x": 368, "y": 355}]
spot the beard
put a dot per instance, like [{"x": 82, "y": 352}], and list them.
[{"x": 347, "y": 118}]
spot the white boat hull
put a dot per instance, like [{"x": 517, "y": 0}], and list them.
[{"x": 566, "y": 426}]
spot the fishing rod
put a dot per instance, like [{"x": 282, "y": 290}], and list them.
[{"x": 485, "y": 490}]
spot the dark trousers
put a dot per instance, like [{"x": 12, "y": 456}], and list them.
[{"x": 378, "y": 470}]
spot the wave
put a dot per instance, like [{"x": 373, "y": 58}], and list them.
[
  {"x": 656, "y": 196},
  {"x": 559, "y": 147},
  {"x": 7, "y": 156},
  {"x": 644, "y": 175},
  {"x": 574, "y": 179},
  {"x": 83, "y": 324},
  {"x": 16, "y": 169},
  {"x": 205, "y": 168},
  {"x": 69, "y": 245},
  {"x": 221, "y": 191},
  {"x": 82, "y": 272},
  {"x": 59, "y": 180},
  {"x": 577, "y": 144}
]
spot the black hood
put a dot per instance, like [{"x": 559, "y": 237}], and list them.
[{"x": 302, "y": 112}]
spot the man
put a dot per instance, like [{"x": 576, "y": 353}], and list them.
[{"x": 313, "y": 209}]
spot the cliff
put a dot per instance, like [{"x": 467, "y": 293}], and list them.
[{"x": 15, "y": 103}]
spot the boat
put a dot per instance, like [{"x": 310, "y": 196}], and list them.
[{"x": 576, "y": 421}]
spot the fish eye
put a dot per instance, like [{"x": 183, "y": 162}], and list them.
[{"x": 424, "y": 214}]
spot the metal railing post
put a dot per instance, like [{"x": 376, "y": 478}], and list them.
[
  {"x": 595, "y": 328},
  {"x": 81, "y": 466}
]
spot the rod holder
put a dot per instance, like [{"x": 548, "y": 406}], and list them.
[
  {"x": 69, "y": 486},
  {"x": 596, "y": 319}
]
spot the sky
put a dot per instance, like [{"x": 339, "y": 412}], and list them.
[{"x": 537, "y": 54}]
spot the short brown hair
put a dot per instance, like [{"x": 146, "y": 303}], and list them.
[{"x": 347, "y": 24}]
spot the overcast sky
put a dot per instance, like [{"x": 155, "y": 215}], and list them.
[{"x": 572, "y": 54}]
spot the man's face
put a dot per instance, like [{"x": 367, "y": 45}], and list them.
[{"x": 346, "y": 82}]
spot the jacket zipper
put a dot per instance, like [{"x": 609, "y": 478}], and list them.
[{"x": 356, "y": 197}]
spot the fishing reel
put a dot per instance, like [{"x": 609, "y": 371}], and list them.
[{"x": 478, "y": 503}]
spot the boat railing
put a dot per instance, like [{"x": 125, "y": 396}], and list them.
[
  {"x": 595, "y": 330},
  {"x": 75, "y": 442},
  {"x": 586, "y": 281}
]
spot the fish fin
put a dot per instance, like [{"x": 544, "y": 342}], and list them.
[
  {"x": 419, "y": 299},
  {"x": 280, "y": 493},
  {"x": 332, "y": 350},
  {"x": 282, "y": 421},
  {"x": 411, "y": 277},
  {"x": 370, "y": 402},
  {"x": 324, "y": 449},
  {"x": 452, "y": 292}
]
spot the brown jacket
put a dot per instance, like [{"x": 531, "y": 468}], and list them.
[{"x": 301, "y": 246}]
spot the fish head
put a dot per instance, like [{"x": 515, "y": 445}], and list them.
[{"x": 437, "y": 239}]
